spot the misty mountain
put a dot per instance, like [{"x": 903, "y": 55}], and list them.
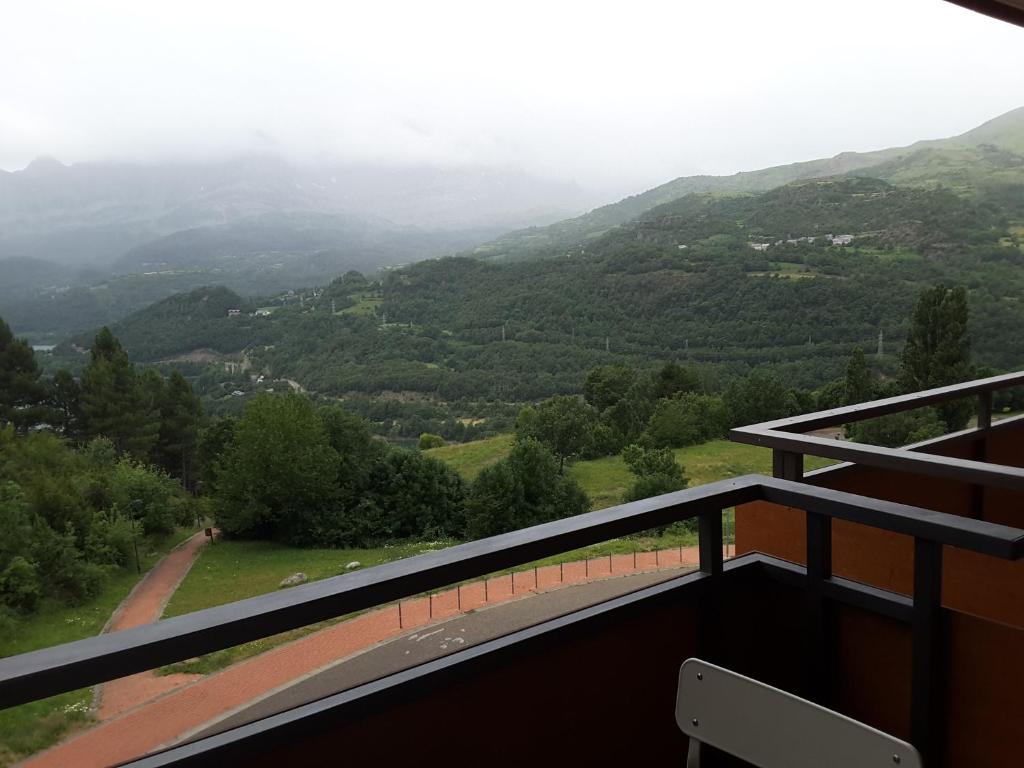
[
  {"x": 983, "y": 160},
  {"x": 87, "y": 244},
  {"x": 97, "y": 212},
  {"x": 311, "y": 246}
]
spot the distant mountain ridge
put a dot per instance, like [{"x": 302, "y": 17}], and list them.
[
  {"x": 98, "y": 211},
  {"x": 991, "y": 153},
  {"x": 86, "y": 244}
]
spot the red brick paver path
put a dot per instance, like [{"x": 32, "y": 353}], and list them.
[
  {"x": 144, "y": 605},
  {"x": 186, "y": 708}
]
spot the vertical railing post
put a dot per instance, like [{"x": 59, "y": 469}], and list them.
[
  {"x": 709, "y": 533},
  {"x": 787, "y": 465},
  {"x": 984, "y": 410},
  {"x": 981, "y": 451},
  {"x": 926, "y": 689},
  {"x": 709, "y": 553},
  {"x": 817, "y": 634}
]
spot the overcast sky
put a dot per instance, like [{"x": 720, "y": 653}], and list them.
[{"x": 615, "y": 96}]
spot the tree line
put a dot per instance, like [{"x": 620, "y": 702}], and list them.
[
  {"x": 89, "y": 466},
  {"x": 289, "y": 470},
  {"x": 644, "y": 414}
]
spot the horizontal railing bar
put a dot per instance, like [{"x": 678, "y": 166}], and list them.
[
  {"x": 967, "y": 533},
  {"x": 860, "y": 411},
  {"x": 74, "y": 665},
  {"x": 881, "y": 601},
  {"x": 93, "y": 660},
  {"x": 899, "y": 459},
  {"x": 927, "y": 446}
]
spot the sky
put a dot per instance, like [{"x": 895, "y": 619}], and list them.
[{"x": 614, "y": 96}]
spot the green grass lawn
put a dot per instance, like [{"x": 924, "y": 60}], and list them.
[
  {"x": 606, "y": 480},
  {"x": 469, "y": 458},
  {"x": 31, "y": 727},
  {"x": 234, "y": 570}
]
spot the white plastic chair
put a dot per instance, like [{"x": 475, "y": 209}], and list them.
[{"x": 770, "y": 728}]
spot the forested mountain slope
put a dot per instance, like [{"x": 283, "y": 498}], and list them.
[
  {"x": 682, "y": 282},
  {"x": 991, "y": 155}
]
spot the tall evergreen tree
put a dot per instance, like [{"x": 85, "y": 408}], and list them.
[
  {"x": 859, "y": 382},
  {"x": 64, "y": 398},
  {"x": 22, "y": 394},
  {"x": 114, "y": 402},
  {"x": 938, "y": 349},
  {"x": 179, "y": 429}
]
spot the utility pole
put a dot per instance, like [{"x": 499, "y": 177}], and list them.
[
  {"x": 333, "y": 309},
  {"x": 881, "y": 342},
  {"x": 607, "y": 344},
  {"x": 503, "y": 331}
]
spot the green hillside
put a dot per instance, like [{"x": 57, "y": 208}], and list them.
[
  {"x": 185, "y": 322},
  {"x": 989, "y": 155},
  {"x": 682, "y": 282}
]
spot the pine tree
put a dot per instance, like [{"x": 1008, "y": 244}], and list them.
[
  {"x": 859, "y": 382},
  {"x": 179, "y": 429},
  {"x": 938, "y": 349},
  {"x": 114, "y": 402},
  {"x": 64, "y": 398},
  {"x": 22, "y": 394}
]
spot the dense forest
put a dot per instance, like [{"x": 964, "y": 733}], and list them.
[{"x": 793, "y": 279}]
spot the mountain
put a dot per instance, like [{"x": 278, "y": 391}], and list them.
[
  {"x": 86, "y": 244},
  {"x": 984, "y": 159},
  {"x": 682, "y": 282},
  {"x": 307, "y": 246},
  {"x": 210, "y": 320},
  {"x": 96, "y": 212}
]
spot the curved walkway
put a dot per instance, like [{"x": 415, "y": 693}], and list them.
[
  {"x": 189, "y": 706},
  {"x": 144, "y": 605}
]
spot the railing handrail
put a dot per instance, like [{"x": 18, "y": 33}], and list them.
[
  {"x": 784, "y": 435},
  {"x": 860, "y": 411},
  {"x": 67, "y": 667}
]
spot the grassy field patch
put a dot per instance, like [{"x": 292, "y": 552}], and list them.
[
  {"x": 469, "y": 458},
  {"x": 605, "y": 480},
  {"x": 365, "y": 305}
]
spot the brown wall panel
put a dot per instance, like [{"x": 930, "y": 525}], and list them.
[
  {"x": 984, "y": 705},
  {"x": 606, "y": 695},
  {"x": 597, "y": 698},
  {"x": 872, "y": 680},
  {"x": 973, "y": 583}
]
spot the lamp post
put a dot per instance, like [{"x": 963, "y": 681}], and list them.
[{"x": 136, "y": 505}]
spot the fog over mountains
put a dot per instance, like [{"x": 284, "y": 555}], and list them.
[
  {"x": 87, "y": 244},
  {"x": 95, "y": 213}
]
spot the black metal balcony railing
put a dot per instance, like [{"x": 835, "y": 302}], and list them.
[
  {"x": 44, "y": 673},
  {"x": 785, "y": 438}
]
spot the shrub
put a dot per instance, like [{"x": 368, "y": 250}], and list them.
[
  {"x": 656, "y": 471},
  {"x": 428, "y": 441},
  {"x": 110, "y": 539},
  {"x": 686, "y": 420},
  {"x": 898, "y": 429},
  {"x": 19, "y": 585}
]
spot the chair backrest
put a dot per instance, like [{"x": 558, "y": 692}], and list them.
[{"x": 770, "y": 728}]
